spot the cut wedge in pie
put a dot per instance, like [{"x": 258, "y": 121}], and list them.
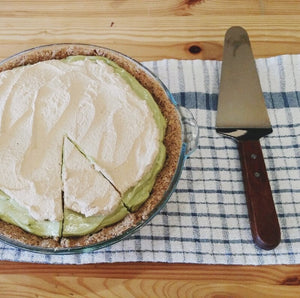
[
  {"x": 88, "y": 148},
  {"x": 90, "y": 200}
]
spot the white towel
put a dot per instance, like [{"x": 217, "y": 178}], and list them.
[{"x": 205, "y": 220}]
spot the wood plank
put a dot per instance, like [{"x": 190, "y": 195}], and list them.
[
  {"x": 48, "y": 286},
  {"x": 267, "y": 274},
  {"x": 149, "y": 280},
  {"x": 155, "y": 38},
  {"x": 151, "y": 8}
]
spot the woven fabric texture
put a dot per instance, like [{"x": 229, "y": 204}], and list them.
[{"x": 206, "y": 219}]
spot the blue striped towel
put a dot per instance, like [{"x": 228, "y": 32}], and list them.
[{"x": 206, "y": 219}]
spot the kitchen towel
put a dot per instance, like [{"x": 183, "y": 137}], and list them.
[{"x": 205, "y": 220}]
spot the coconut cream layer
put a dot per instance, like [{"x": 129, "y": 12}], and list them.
[
  {"x": 91, "y": 104},
  {"x": 86, "y": 191}
]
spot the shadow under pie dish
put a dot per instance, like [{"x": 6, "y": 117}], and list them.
[{"x": 126, "y": 149}]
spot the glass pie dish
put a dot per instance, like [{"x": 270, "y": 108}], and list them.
[{"x": 181, "y": 140}]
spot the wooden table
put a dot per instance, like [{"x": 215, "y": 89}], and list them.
[{"x": 150, "y": 30}]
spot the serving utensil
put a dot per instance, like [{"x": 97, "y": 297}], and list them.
[{"x": 242, "y": 115}]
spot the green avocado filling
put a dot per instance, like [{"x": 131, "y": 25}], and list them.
[
  {"x": 12, "y": 212},
  {"x": 75, "y": 224}
]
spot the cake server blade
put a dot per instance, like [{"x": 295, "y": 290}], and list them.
[{"x": 242, "y": 115}]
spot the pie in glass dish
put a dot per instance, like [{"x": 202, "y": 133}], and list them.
[{"x": 91, "y": 147}]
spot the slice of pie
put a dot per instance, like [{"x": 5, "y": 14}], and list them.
[{"x": 88, "y": 146}]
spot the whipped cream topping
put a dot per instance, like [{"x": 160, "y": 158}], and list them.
[
  {"x": 87, "y": 101},
  {"x": 85, "y": 190}
]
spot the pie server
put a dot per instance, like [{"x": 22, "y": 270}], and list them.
[{"x": 242, "y": 115}]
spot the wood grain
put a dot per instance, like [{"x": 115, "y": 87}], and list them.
[
  {"x": 141, "y": 280},
  {"x": 150, "y": 30},
  {"x": 145, "y": 30},
  {"x": 261, "y": 209}
]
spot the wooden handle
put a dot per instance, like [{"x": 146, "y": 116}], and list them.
[{"x": 262, "y": 214}]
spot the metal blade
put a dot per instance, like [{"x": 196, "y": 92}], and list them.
[{"x": 241, "y": 104}]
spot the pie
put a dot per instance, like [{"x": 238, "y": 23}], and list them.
[{"x": 89, "y": 145}]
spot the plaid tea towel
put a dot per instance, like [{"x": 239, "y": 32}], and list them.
[{"x": 205, "y": 220}]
